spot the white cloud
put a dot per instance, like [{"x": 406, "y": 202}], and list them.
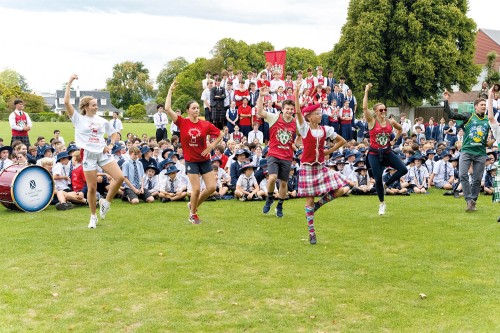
[{"x": 55, "y": 39}]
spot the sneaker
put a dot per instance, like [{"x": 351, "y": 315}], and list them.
[
  {"x": 267, "y": 206},
  {"x": 448, "y": 193},
  {"x": 312, "y": 239},
  {"x": 194, "y": 219},
  {"x": 60, "y": 206},
  {"x": 104, "y": 209},
  {"x": 243, "y": 198},
  {"x": 381, "y": 209},
  {"x": 279, "y": 211},
  {"x": 93, "y": 222}
]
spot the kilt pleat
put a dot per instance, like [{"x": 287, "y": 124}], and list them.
[{"x": 317, "y": 179}]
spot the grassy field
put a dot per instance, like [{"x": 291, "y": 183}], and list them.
[
  {"x": 145, "y": 269},
  {"x": 46, "y": 129}
]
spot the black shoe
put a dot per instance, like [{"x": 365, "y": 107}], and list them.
[
  {"x": 456, "y": 195},
  {"x": 498, "y": 220},
  {"x": 448, "y": 193},
  {"x": 165, "y": 200},
  {"x": 312, "y": 239}
]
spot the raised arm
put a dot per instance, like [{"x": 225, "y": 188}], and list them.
[
  {"x": 449, "y": 113},
  {"x": 491, "y": 116},
  {"x": 168, "y": 102},
  {"x": 70, "y": 110},
  {"x": 300, "y": 117},
  {"x": 368, "y": 115},
  {"x": 260, "y": 101}
]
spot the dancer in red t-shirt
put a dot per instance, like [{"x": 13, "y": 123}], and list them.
[{"x": 193, "y": 135}]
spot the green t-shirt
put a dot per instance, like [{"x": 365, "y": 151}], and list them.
[{"x": 476, "y": 135}]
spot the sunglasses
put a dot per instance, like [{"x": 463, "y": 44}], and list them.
[{"x": 382, "y": 110}]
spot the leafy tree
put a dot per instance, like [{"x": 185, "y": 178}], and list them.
[
  {"x": 492, "y": 76},
  {"x": 11, "y": 78},
  {"x": 136, "y": 111},
  {"x": 410, "y": 50},
  {"x": 298, "y": 58},
  {"x": 168, "y": 74},
  {"x": 129, "y": 85}
]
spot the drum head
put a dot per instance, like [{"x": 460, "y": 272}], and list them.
[{"x": 32, "y": 189}]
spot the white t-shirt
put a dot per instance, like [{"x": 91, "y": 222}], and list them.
[
  {"x": 89, "y": 132},
  {"x": 61, "y": 170}
]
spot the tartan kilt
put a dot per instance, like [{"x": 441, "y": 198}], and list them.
[
  {"x": 24, "y": 139},
  {"x": 496, "y": 189},
  {"x": 317, "y": 179}
]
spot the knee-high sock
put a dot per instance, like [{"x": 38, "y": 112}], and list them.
[
  {"x": 325, "y": 199},
  {"x": 310, "y": 219}
]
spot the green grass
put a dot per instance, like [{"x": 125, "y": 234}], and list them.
[
  {"x": 46, "y": 129},
  {"x": 145, "y": 269}
]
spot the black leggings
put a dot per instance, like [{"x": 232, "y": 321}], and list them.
[{"x": 378, "y": 168}]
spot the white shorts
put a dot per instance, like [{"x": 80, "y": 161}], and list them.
[{"x": 91, "y": 160}]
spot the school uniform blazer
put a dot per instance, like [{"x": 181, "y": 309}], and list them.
[
  {"x": 431, "y": 134},
  {"x": 217, "y": 102},
  {"x": 362, "y": 128},
  {"x": 330, "y": 82},
  {"x": 234, "y": 172}
]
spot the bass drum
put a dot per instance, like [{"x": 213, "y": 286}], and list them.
[{"x": 26, "y": 188}]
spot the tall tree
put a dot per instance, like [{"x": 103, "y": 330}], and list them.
[
  {"x": 410, "y": 50},
  {"x": 299, "y": 58},
  {"x": 129, "y": 85},
  {"x": 168, "y": 74},
  {"x": 11, "y": 78}
]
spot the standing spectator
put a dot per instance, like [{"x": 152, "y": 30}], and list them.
[
  {"x": 405, "y": 124},
  {"x": 346, "y": 116},
  {"x": 58, "y": 137},
  {"x": 204, "y": 82},
  {"x": 473, "y": 151},
  {"x": 206, "y": 99},
  {"x": 330, "y": 80},
  {"x": 431, "y": 131},
  {"x": 160, "y": 119},
  {"x": 256, "y": 134},
  {"x": 116, "y": 123},
  {"x": 343, "y": 86},
  {"x": 217, "y": 98},
  {"x": 253, "y": 93},
  {"x": 194, "y": 135},
  {"x": 245, "y": 116},
  {"x": 240, "y": 93},
  {"x": 231, "y": 117},
  {"x": 20, "y": 123}
]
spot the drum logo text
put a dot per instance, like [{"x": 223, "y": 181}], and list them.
[{"x": 32, "y": 184}]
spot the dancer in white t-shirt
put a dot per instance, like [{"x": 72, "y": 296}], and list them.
[{"x": 89, "y": 135}]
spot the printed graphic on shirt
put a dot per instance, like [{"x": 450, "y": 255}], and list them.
[
  {"x": 477, "y": 132},
  {"x": 94, "y": 130},
  {"x": 382, "y": 139},
  {"x": 284, "y": 136},
  {"x": 194, "y": 133}
]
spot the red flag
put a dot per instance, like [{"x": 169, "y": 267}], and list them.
[{"x": 277, "y": 60}]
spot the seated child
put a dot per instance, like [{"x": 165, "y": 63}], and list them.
[
  {"x": 133, "y": 171},
  {"x": 362, "y": 182},
  {"x": 419, "y": 175},
  {"x": 151, "y": 181},
  {"x": 173, "y": 186},
  {"x": 246, "y": 185}
]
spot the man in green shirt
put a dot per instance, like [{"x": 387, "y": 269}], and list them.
[{"x": 473, "y": 152}]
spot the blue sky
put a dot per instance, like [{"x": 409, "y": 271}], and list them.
[{"x": 52, "y": 39}]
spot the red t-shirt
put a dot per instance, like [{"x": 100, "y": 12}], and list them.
[
  {"x": 242, "y": 94},
  {"x": 78, "y": 179},
  {"x": 261, "y": 84},
  {"x": 246, "y": 110},
  {"x": 194, "y": 138}
]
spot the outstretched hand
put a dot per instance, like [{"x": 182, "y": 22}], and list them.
[
  {"x": 446, "y": 95},
  {"x": 173, "y": 85},
  {"x": 73, "y": 77},
  {"x": 368, "y": 87}
]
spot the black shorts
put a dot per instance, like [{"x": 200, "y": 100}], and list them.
[
  {"x": 275, "y": 166},
  {"x": 128, "y": 193},
  {"x": 198, "y": 168}
]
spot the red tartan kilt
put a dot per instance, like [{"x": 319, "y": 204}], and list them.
[{"x": 317, "y": 179}]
